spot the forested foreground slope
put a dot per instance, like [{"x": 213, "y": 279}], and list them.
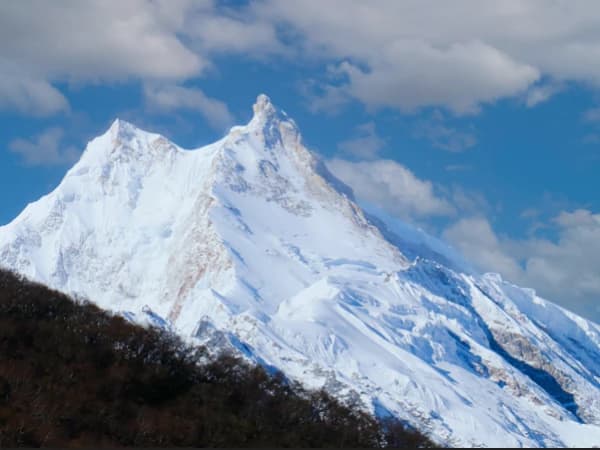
[{"x": 74, "y": 375}]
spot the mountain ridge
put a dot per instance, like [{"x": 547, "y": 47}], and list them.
[{"x": 250, "y": 243}]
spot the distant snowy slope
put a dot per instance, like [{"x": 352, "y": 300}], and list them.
[{"x": 251, "y": 244}]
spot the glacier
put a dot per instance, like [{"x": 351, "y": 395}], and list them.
[{"x": 250, "y": 244}]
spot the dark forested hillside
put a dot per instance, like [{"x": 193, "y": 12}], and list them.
[{"x": 73, "y": 375}]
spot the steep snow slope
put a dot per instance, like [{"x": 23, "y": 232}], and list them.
[{"x": 250, "y": 244}]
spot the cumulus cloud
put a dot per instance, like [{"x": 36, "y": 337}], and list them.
[
  {"x": 393, "y": 187},
  {"x": 234, "y": 33},
  {"x": 45, "y": 149},
  {"x": 366, "y": 143},
  {"x": 565, "y": 270},
  {"x": 110, "y": 40},
  {"x": 89, "y": 41},
  {"x": 29, "y": 95},
  {"x": 460, "y": 77},
  {"x": 169, "y": 97},
  {"x": 457, "y": 55},
  {"x": 571, "y": 265},
  {"x": 98, "y": 39},
  {"x": 475, "y": 238}
]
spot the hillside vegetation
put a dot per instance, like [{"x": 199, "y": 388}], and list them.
[{"x": 74, "y": 375}]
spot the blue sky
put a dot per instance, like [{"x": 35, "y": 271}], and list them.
[{"x": 482, "y": 125}]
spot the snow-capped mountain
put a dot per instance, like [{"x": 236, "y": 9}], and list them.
[{"x": 251, "y": 244}]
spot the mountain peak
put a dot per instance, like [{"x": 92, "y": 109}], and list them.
[
  {"x": 265, "y": 112},
  {"x": 273, "y": 124},
  {"x": 263, "y": 106},
  {"x": 123, "y": 141},
  {"x": 122, "y": 130}
]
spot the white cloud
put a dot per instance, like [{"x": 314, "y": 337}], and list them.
[
  {"x": 169, "y": 97},
  {"x": 28, "y": 95},
  {"x": 366, "y": 144},
  {"x": 475, "y": 238},
  {"x": 441, "y": 135},
  {"x": 565, "y": 270},
  {"x": 45, "y": 149},
  {"x": 110, "y": 40},
  {"x": 392, "y": 187},
  {"x": 97, "y": 39},
  {"x": 407, "y": 55},
  {"x": 465, "y": 201},
  {"x": 458, "y": 54},
  {"x": 540, "y": 94},
  {"x": 237, "y": 33},
  {"x": 92, "y": 41},
  {"x": 411, "y": 74}
]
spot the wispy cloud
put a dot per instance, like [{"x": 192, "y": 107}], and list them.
[
  {"x": 592, "y": 115},
  {"x": 366, "y": 143},
  {"x": 442, "y": 135},
  {"x": 541, "y": 93},
  {"x": 591, "y": 138},
  {"x": 170, "y": 97},
  {"x": 45, "y": 149}
]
